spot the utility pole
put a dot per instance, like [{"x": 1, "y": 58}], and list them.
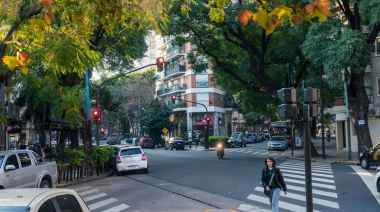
[
  {"x": 307, "y": 152},
  {"x": 322, "y": 121},
  {"x": 346, "y": 76}
]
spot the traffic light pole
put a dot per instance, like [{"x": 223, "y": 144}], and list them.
[
  {"x": 207, "y": 146},
  {"x": 108, "y": 80},
  {"x": 307, "y": 152}
]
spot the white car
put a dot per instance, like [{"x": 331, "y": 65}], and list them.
[
  {"x": 41, "y": 200},
  {"x": 376, "y": 179},
  {"x": 277, "y": 142},
  {"x": 131, "y": 158}
]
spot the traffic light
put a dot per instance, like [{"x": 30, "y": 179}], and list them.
[
  {"x": 173, "y": 99},
  {"x": 96, "y": 116},
  {"x": 311, "y": 97},
  {"x": 160, "y": 64},
  {"x": 288, "y": 97},
  {"x": 208, "y": 120}
]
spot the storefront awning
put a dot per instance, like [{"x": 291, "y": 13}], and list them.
[{"x": 201, "y": 124}]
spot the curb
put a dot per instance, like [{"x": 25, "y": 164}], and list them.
[
  {"x": 63, "y": 185},
  {"x": 220, "y": 210},
  {"x": 345, "y": 162},
  {"x": 295, "y": 158},
  {"x": 200, "y": 150}
]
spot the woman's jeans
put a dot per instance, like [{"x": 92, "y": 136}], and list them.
[{"x": 274, "y": 196}]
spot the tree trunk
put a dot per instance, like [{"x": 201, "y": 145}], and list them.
[
  {"x": 359, "y": 104},
  {"x": 74, "y": 139},
  {"x": 299, "y": 126}
]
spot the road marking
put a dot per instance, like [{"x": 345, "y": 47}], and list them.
[
  {"x": 315, "y": 191},
  {"x": 303, "y": 169},
  {"x": 314, "y": 184},
  {"x": 321, "y": 165},
  {"x": 82, "y": 188},
  {"x": 117, "y": 208},
  {"x": 87, "y": 199},
  {"x": 264, "y": 153},
  {"x": 254, "y": 153},
  {"x": 273, "y": 154},
  {"x": 88, "y": 192},
  {"x": 299, "y": 172},
  {"x": 101, "y": 203},
  {"x": 249, "y": 151},
  {"x": 368, "y": 180},
  {"x": 313, "y": 178},
  {"x": 303, "y": 198},
  {"x": 250, "y": 208},
  {"x": 281, "y": 204},
  {"x": 240, "y": 150}
]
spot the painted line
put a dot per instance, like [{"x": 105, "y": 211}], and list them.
[
  {"x": 101, "y": 203},
  {"x": 249, "y": 151},
  {"x": 250, "y": 208},
  {"x": 88, "y": 192},
  {"x": 255, "y": 153},
  {"x": 314, "y": 184},
  {"x": 299, "y": 172},
  {"x": 303, "y": 198},
  {"x": 273, "y": 154},
  {"x": 302, "y": 169},
  {"x": 281, "y": 204},
  {"x": 368, "y": 180},
  {"x": 87, "y": 199},
  {"x": 312, "y": 164},
  {"x": 315, "y": 191},
  {"x": 313, "y": 178},
  {"x": 117, "y": 208},
  {"x": 82, "y": 188},
  {"x": 240, "y": 150},
  {"x": 264, "y": 153}
]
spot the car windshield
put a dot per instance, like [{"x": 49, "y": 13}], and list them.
[
  {"x": 147, "y": 140},
  {"x": 235, "y": 136},
  {"x": 14, "y": 208},
  {"x": 278, "y": 139},
  {"x": 135, "y": 151},
  {"x": 178, "y": 140},
  {"x": 129, "y": 141},
  {"x": 1, "y": 159}
]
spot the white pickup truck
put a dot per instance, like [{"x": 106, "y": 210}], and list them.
[{"x": 26, "y": 169}]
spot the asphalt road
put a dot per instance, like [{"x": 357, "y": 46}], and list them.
[{"x": 197, "y": 181}]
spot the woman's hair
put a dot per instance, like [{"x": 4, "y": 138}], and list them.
[{"x": 270, "y": 158}]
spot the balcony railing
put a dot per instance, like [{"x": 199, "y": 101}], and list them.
[
  {"x": 171, "y": 89},
  {"x": 175, "y": 69},
  {"x": 232, "y": 105},
  {"x": 175, "y": 51}
]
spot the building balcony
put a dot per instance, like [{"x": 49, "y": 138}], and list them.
[
  {"x": 175, "y": 52},
  {"x": 171, "y": 90},
  {"x": 174, "y": 71},
  {"x": 231, "y": 105},
  {"x": 162, "y": 42}
]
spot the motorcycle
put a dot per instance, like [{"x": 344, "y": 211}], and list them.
[{"x": 220, "y": 151}]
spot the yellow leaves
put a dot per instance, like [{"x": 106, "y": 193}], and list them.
[
  {"x": 269, "y": 17},
  {"x": 11, "y": 62},
  {"x": 217, "y": 14},
  {"x": 243, "y": 16},
  {"x": 37, "y": 25},
  {"x": 24, "y": 70},
  {"x": 48, "y": 19}
]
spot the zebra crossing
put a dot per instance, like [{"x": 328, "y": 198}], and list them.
[
  {"x": 98, "y": 201},
  {"x": 258, "y": 152},
  {"x": 325, "y": 197}
]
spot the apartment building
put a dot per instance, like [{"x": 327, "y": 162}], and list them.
[{"x": 178, "y": 79}]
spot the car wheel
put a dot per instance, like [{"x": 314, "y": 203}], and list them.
[
  {"x": 364, "y": 163},
  {"x": 166, "y": 148},
  {"x": 146, "y": 171},
  {"x": 45, "y": 184},
  {"x": 378, "y": 185},
  {"x": 245, "y": 145}
]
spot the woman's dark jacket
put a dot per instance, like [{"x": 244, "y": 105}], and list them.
[{"x": 277, "y": 176}]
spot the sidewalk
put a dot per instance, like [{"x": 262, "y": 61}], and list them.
[
  {"x": 64, "y": 184},
  {"x": 332, "y": 154}
]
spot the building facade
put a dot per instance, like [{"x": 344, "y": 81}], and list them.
[{"x": 178, "y": 79}]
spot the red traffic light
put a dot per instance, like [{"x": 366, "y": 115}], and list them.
[
  {"x": 160, "y": 63},
  {"x": 208, "y": 119},
  {"x": 95, "y": 113},
  {"x": 173, "y": 98}
]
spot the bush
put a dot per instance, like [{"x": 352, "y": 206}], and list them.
[
  {"x": 103, "y": 154},
  {"x": 213, "y": 140},
  {"x": 75, "y": 156}
]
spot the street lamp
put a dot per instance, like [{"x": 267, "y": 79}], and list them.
[{"x": 346, "y": 79}]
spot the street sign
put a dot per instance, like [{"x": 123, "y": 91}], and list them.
[{"x": 165, "y": 130}]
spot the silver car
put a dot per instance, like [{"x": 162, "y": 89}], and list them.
[{"x": 277, "y": 142}]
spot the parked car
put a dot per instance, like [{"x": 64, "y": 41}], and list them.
[
  {"x": 131, "y": 158},
  {"x": 277, "y": 142},
  {"x": 376, "y": 179},
  {"x": 135, "y": 141},
  {"x": 128, "y": 141},
  {"x": 146, "y": 142},
  {"x": 41, "y": 200},
  {"x": 237, "y": 139},
  {"x": 26, "y": 169},
  {"x": 175, "y": 143},
  {"x": 370, "y": 157},
  {"x": 266, "y": 134},
  {"x": 252, "y": 138}
]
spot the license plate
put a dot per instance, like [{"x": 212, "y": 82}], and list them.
[{"x": 132, "y": 167}]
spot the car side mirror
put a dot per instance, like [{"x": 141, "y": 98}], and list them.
[
  {"x": 370, "y": 151},
  {"x": 10, "y": 167}
]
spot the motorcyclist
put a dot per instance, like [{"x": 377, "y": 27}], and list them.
[{"x": 220, "y": 148}]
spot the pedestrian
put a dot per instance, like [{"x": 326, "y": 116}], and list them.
[
  {"x": 328, "y": 134},
  {"x": 272, "y": 181},
  {"x": 22, "y": 145}
]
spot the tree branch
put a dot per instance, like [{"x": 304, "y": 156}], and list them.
[
  {"x": 232, "y": 41},
  {"x": 299, "y": 75},
  {"x": 348, "y": 13},
  {"x": 372, "y": 37}
]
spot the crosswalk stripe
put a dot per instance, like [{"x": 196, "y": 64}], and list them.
[
  {"x": 303, "y": 173},
  {"x": 88, "y": 192},
  {"x": 249, "y": 151},
  {"x": 231, "y": 150},
  {"x": 302, "y": 169},
  {"x": 368, "y": 181},
  {"x": 315, "y": 191},
  {"x": 255, "y": 153},
  {"x": 101, "y": 203},
  {"x": 264, "y": 153},
  {"x": 87, "y": 199},
  {"x": 312, "y": 165},
  {"x": 82, "y": 188},
  {"x": 273, "y": 154},
  {"x": 314, "y": 178},
  {"x": 117, "y": 208},
  {"x": 250, "y": 208},
  {"x": 303, "y": 198},
  {"x": 281, "y": 204},
  {"x": 314, "y": 184}
]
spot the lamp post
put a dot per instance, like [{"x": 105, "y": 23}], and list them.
[
  {"x": 346, "y": 78},
  {"x": 322, "y": 121}
]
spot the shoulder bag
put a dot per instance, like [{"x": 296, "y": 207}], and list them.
[{"x": 265, "y": 189}]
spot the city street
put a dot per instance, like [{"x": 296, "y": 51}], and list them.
[{"x": 198, "y": 180}]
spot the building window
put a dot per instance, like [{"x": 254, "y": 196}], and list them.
[
  {"x": 203, "y": 98},
  {"x": 201, "y": 81}
]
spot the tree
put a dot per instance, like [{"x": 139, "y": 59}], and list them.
[
  {"x": 339, "y": 44},
  {"x": 156, "y": 118},
  {"x": 252, "y": 119}
]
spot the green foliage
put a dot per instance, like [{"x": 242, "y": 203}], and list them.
[
  {"x": 252, "y": 119},
  {"x": 369, "y": 11},
  {"x": 75, "y": 156},
  {"x": 103, "y": 154},
  {"x": 214, "y": 140}
]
